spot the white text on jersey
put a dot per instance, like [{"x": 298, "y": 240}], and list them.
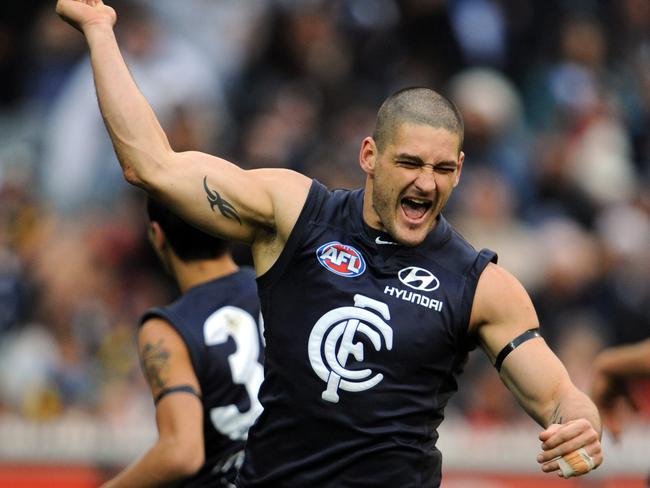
[{"x": 410, "y": 296}]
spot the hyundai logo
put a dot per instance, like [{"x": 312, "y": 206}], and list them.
[{"x": 418, "y": 279}]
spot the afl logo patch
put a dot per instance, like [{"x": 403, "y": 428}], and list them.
[{"x": 341, "y": 259}]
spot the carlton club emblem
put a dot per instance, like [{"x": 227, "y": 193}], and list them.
[
  {"x": 341, "y": 259},
  {"x": 331, "y": 343}
]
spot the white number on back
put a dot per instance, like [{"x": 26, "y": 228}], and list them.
[{"x": 244, "y": 367}]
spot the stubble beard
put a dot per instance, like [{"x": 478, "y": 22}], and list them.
[
  {"x": 384, "y": 211},
  {"x": 381, "y": 208}
]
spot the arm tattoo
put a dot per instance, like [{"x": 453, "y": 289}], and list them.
[
  {"x": 556, "y": 417},
  {"x": 225, "y": 207},
  {"x": 155, "y": 363}
]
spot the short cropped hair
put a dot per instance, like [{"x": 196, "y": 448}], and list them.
[
  {"x": 188, "y": 242},
  {"x": 420, "y": 106}
]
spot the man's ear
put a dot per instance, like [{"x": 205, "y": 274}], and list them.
[
  {"x": 368, "y": 155},
  {"x": 461, "y": 160},
  {"x": 157, "y": 236}
]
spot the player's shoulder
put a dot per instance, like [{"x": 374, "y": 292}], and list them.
[
  {"x": 229, "y": 287},
  {"x": 496, "y": 277},
  {"x": 338, "y": 206},
  {"x": 288, "y": 191},
  {"x": 246, "y": 277},
  {"x": 156, "y": 330},
  {"x": 282, "y": 181},
  {"x": 500, "y": 294},
  {"x": 245, "y": 273}
]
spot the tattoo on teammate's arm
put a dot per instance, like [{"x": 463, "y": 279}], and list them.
[
  {"x": 155, "y": 363},
  {"x": 556, "y": 417},
  {"x": 215, "y": 200}
]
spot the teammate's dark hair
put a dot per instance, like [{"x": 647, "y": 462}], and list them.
[
  {"x": 420, "y": 106},
  {"x": 188, "y": 242}
]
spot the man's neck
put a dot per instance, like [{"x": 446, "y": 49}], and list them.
[{"x": 370, "y": 217}]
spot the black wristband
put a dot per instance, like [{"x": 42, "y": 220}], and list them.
[
  {"x": 516, "y": 342},
  {"x": 176, "y": 389}
]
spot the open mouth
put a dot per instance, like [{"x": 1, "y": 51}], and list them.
[{"x": 414, "y": 208}]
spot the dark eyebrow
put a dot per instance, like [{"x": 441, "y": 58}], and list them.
[
  {"x": 416, "y": 159},
  {"x": 409, "y": 157}
]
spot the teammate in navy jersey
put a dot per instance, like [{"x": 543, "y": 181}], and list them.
[
  {"x": 371, "y": 300},
  {"x": 201, "y": 357}
]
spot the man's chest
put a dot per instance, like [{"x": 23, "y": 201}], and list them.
[{"x": 350, "y": 306}]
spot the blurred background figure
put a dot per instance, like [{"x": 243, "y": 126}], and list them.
[
  {"x": 556, "y": 99},
  {"x": 617, "y": 383}
]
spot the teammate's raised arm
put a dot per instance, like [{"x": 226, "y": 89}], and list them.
[{"x": 252, "y": 206}]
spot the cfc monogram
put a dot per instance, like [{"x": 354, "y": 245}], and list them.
[{"x": 331, "y": 342}]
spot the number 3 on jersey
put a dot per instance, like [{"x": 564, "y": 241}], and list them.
[{"x": 244, "y": 367}]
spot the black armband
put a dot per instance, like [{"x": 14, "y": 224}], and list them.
[
  {"x": 176, "y": 389},
  {"x": 515, "y": 343}
]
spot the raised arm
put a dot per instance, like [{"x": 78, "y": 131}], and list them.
[
  {"x": 259, "y": 207},
  {"x": 501, "y": 313}
]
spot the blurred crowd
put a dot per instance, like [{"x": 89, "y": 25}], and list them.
[{"x": 556, "y": 99}]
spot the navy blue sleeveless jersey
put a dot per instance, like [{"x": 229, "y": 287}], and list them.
[
  {"x": 364, "y": 341},
  {"x": 218, "y": 321}
]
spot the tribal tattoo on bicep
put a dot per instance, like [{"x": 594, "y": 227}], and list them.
[
  {"x": 155, "y": 364},
  {"x": 215, "y": 200}
]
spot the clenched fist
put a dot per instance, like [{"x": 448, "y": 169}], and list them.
[{"x": 81, "y": 14}]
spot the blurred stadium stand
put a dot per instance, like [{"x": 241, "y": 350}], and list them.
[{"x": 556, "y": 99}]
